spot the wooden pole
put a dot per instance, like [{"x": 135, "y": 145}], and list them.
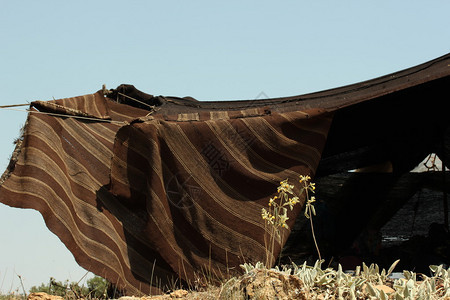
[{"x": 445, "y": 200}]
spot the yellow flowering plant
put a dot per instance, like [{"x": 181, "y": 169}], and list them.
[
  {"x": 309, "y": 207},
  {"x": 275, "y": 216}
]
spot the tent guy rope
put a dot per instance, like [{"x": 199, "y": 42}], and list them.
[
  {"x": 14, "y": 105},
  {"x": 65, "y": 116}
]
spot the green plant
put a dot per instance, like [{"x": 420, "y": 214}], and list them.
[
  {"x": 435, "y": 287},
  {"x": 96, "y": 288},
  {"x": 57, "y": 288},
  {"x": 368, "y": 282}
]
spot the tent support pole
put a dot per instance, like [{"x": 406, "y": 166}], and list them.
[{"x": 445, "y": 200}]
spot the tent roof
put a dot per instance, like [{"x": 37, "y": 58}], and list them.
[
  {"x": 331, "y": 99},
  {"x": 399, "y": 117}
]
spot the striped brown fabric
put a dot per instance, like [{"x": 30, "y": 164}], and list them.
[
  {"x": 202, "y": 184},
  {"x": 145, "y": 197}
]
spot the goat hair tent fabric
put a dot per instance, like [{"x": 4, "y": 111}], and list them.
[{"x": 146, "y": 189}]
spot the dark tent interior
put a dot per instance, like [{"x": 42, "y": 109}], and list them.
[{"x": 373, "y": 208}]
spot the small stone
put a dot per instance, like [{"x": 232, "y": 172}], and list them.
[
  {"x": 384, "y": 288},
  {"x": 159, "y": 297},
  {"x": 178, "y": 294},
  {"x": 129, "y": 298},
  {"x": 43, "y": 296},
  {"x": 271, "y": 284}
]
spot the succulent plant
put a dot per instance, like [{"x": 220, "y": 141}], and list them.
[{"x": 367, "y": 282}]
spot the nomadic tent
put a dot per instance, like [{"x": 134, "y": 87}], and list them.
[{"x": 145, "y": 190}]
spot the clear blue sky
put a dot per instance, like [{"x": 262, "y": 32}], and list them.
[{"x": 206, "y": 49}]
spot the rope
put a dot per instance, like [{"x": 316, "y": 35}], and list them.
[
  {"x": 431, "y": 159},
  {"x": 14, "y": 105},
  {"x": 65, "y": 116},
  {"x": 143, "y": 103}
]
